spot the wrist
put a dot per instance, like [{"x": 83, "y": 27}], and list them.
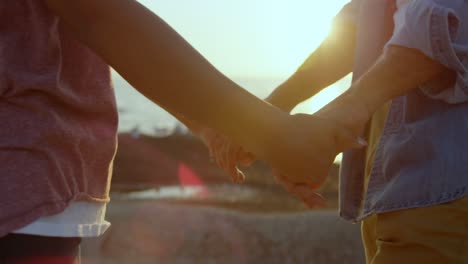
[
  {"x": 269, "y": 133},
  {"x": 265, "y": 123},
  {"x": 362, "y": 104},
  {"x": 348, "y": 110},
  {"x": 369, "y": 99}
]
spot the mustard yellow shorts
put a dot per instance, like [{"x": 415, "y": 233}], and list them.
[{"x": 436, "y": 234}]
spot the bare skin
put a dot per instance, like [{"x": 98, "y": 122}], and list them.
[
  {"x": 332, "y": 60},
  {"x": 161, "y": 65},
  {"x": 398, "y": 71}
]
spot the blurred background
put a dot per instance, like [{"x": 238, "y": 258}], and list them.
[{"x": 170, "y": 204}]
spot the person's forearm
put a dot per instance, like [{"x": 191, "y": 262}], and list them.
[
  {"x": 163, "y": 66},
  {"x": 398, "y": 71},
  {"x": 331, "y": 61},
  {"x": 190, "y": 124}
]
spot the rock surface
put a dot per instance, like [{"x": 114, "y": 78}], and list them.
[
  {"x": 257, "y": 222},
  {"x": 149, "y": 162},
  {"x": 167, "y": 232}
]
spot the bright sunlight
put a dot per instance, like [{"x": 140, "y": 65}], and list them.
[
  {"x": 251, "y": 38},
  {"x": 257, "y": 43}
]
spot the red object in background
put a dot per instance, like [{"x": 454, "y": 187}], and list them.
[{"x": 188, "y": 178}]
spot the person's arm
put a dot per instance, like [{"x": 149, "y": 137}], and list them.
[
  {"x": 426, "y": 52},
  {"x": 164, "y": 67},
  {"x": 398, "y": 71},
  {"x": 438, "y": 29},
  {"x": 331, "y": 61}
]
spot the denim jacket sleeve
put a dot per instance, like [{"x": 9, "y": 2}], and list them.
[{"x": 439, "y": 29}]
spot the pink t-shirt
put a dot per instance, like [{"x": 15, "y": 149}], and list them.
[{"x": 58, "y": 117}]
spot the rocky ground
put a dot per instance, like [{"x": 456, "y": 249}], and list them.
[
  {"x": 254, "y": 223},
  {"x": 167, "y": 232},
  {"x": 148, "y": 162}
]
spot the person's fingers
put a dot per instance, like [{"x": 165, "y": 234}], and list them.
[
  {"x": 227, "y": 160},
  {"x": 219, "y": 148},
  {"x": 311, "y": 198},
  {"x": 209, "y": 137},
  {"x": 314, "y": 179},
  {"x": 213, "y": 149},
  {"x": 231, "y": 160},
  {"x": 303, "y": 192},
  {"x": 245, "y": 158},
  {"x": 240, "y": 176},
  {"x": 226, "y": 154},
  {"x": 288, "y": 185},
  {"x": 221, "y": 153}
]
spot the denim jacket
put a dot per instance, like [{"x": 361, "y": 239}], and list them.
[{"x": 420, "y": 159}]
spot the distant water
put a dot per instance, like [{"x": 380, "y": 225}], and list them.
[
  {"x": 140, "y": 115},
  {"x": 230, "y": 192}
]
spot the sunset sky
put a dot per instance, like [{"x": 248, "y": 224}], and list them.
[
  {"x": 257, "y": 43},
  {"x": 250, "y": 38}
]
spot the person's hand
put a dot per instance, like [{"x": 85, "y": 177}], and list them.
[
  {"x": 227, "y": 154},
  {"x": 303, "y": 148},
  {"x": 302, "y": 192},
  {"x": 340, "y": 124},
  {"x": 348, "y": 111},
  {"x": 312, "y": 164}
]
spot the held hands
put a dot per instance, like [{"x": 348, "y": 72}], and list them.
[
  {"x": 302, "y": 150},
  {"x": 228, "y": 155},
  {"x": 303, "y": 147},
  {"x": 306, "y": 145}
]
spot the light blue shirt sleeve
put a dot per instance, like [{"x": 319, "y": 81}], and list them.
[{"x": 439, "y": 29}]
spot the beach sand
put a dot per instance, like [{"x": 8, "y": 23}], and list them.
[
  {"x": 174, "y": 231},
  {"x": 257, "y": 222}
]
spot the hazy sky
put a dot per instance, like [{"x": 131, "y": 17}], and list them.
[
  {"x": 257, "y": 43},
  {"x": 250, "y": 38},
  {"x": 246, "y": 40}
]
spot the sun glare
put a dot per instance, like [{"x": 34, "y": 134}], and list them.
[
  {"x": 256, "y": 43},
  {"x": 245, "y": 38},
  {"x": 296, "y": 30}
]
